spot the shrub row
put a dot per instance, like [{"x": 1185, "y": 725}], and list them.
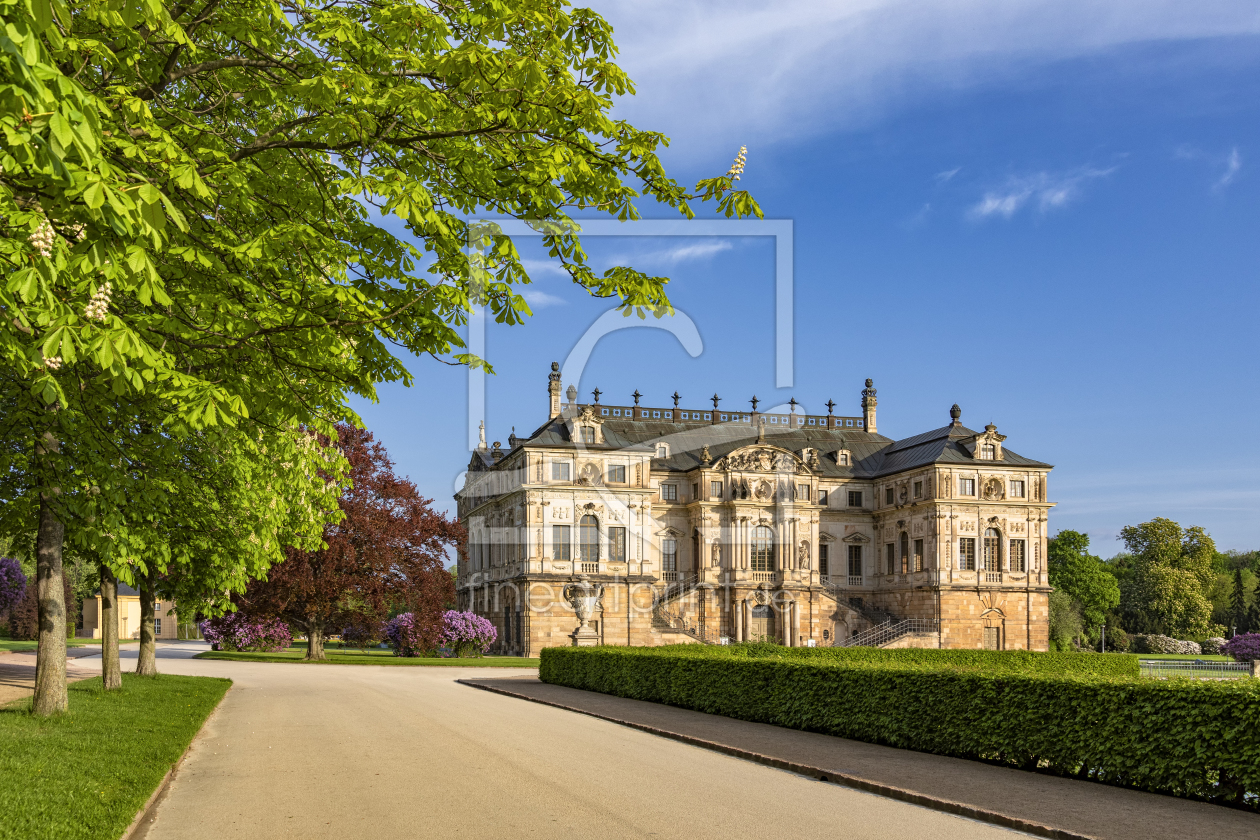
[
  {"x": 1195, "y": 738},
  {"x": 1004, "y": 661}
]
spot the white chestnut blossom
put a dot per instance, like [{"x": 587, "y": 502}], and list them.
[
  {"x": 43, "y": 238},
  {"x": 737, "y": 168},
  {"x": 98, "y": 306},
  {"x": 52, "y": 362}
]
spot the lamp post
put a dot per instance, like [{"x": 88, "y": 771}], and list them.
[{"x": 1104, "y": 638}]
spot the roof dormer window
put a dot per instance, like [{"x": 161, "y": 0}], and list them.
[
  {"x": 662, "y": 450},
  {"x": 587, "y": 434},
  {"x": 988, "y": 452}
]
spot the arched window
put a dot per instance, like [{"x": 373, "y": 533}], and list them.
[
  {"x": 905, "y": 552},
  {"x": 588, "y": 539},
  {"x": 763, "y": 549},
  {"x": 992, "y": 550}
]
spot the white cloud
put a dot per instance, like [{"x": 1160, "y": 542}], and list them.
[
  {"x": 538, "y": 299},
  {"x": 948, "y": 175},
  {"x": 1233, "y": 163},
  {"x": 667, "y": 257},
  {"x": 715, "y": 75},
  {"x": 1047, "y": 190}
]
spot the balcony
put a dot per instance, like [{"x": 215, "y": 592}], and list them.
[
  {"x": 992, "y": 577},
  {"x": 670, "y": 577},
  {"x": 763, "y": 577},
  {"x": 590, "y": 568},
  {"x": 855, "y": 580}
]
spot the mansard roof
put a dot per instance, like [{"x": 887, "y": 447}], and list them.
[{"x": 871, "y": 455}]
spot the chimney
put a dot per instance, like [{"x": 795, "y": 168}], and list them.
[
  {"x": 868, "y": 406},
  {"x": 553, "y": 390}
]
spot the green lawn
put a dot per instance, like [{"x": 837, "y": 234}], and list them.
[
  {"x": 372, "y": 656},
  {"x": 10, "y": 644},
  {"x": 86, "y": 774},
  {"x": 1187, "y": 656}
]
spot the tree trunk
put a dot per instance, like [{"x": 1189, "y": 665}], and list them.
[
  {"x": 146, "y": 666},
  {"x": 111, "y": 669},
  {"x": 50, "y": 660},
  {"x": 315, "y": 640}
]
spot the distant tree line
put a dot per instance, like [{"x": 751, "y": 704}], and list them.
[{"x": 1169, "y": 580}]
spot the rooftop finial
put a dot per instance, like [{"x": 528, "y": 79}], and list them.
[
  {"x": 636, "y": 396},
  {"x": 481, "y": 434},
  {"x": 793, "y": 403},
  {"x": 868, "y": 406},
  {"x": 831, "y": 406},
  {"x": 596, "y": 394},
  {"x": 754, "y": 402},
  {"x": 571, "y": 393},
  {"x": 761, "y": 430},
  {"x": 716, "y": 399},
  {"x": 676, "y": 399},
  {"x": 954, "y": 414}
]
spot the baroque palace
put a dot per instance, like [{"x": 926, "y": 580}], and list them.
[{"x": 680, "y": 525}]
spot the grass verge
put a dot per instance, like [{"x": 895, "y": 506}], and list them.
[
  {"x": 370, "y": 657},
  {"x": 1188, "y": 657},
  {"x": 87, "y": 773}
]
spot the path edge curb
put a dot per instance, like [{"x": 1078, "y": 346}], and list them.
[
  {"x": 139, "y": 826},
  {"x": 948, "y": 806}
]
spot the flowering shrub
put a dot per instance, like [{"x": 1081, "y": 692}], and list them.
[
  {"x": 12, "y": 584},
  {"x": 237, "y": 631},
  {"x": 407, "y": 636},
  {"x": 1245, "y": 647},
  {"x": 1213, "y": 646},
  {"x": 1155, "y": 643},
  {"x": 466, "y": 633}
]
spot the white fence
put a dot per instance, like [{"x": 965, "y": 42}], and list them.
[{"x": 1198, "y": 668}]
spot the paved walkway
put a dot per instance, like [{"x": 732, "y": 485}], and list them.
[
  {"x": 17, "y": 670},
  {"x": 308, "y": 751},
  {"x": 1081, "y": 808}
]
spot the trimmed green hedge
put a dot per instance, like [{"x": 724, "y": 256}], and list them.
[
  {"x": 1194, "y": 738},
  {"x": 1005, "y": 661}
]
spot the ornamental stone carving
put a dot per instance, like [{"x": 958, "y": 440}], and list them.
[{"x": 993, "y": 490}]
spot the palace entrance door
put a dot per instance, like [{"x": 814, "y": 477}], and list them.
[{"x": 761, "y": 624}]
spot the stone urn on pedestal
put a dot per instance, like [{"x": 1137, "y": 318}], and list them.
[{"x": 584, "y": 597}]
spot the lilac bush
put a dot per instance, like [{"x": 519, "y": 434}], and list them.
[
  {"x": 466, "y": 633},
  {"x": 1245, "y": 647},
  {"x": 407, "y": 636},
  {"x": 12, "y": 584},
  {"x": 237, "y": 631}
]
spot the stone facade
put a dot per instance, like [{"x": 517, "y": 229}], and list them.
[{"x": 718, "y": 525}]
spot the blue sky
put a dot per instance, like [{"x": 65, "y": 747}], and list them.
[{"x": 1044, "y": 212}]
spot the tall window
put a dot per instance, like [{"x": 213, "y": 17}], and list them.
[
  {"x": 888, "y": 495},
  {"x": 617, "y": 474},
  {"x": 890, "y": 559},
  {"x": 842, "y": 459},
  {"x": 918, "y": 555},
  {"x": 617, "y": 544},
  {"x": 695, "y": 491},
  {"x": 988, "y": 452},
  {"x": 669, "y": 492},
  {"x": 560, "y": 471},
  {"x": 1018, "y": 557},
  {"x": 1017, "y": 489},
  {"x": 763, "y": 549},
  {"x": 824, "y": 563},
  {"x": 715, "y": 489},
  {"x": 992, "y": 550},
  {"x": 855, "y": 561},
  {"x": 669, "y": 555},
  {"x": 560, "y": 542},
  {"x": 918, "y": 489},
  {"x": 662, "y": 450},
  {"x": 802, "y": 492},
  {"x": 905, "y": 552},
  {"x": 966, "y": 487},
  {"x": 855, "y": 498},
  {"x": 967, "y": 554},
  {"x": 588, "y": 434},
  {"x": 822, "y": 497},
  {"x": 588, "y": 539}
]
